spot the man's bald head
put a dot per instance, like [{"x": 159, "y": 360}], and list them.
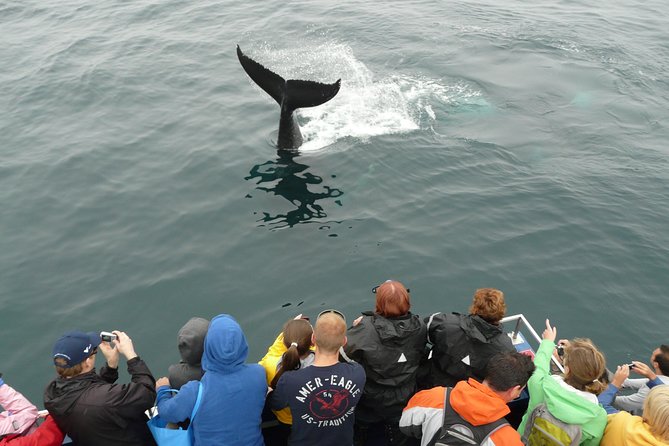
[{"x": 330, "y": 332}]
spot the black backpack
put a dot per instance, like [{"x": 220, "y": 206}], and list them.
[{"x": 455, "y": 431}]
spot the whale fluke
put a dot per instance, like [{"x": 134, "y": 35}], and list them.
[{"x": 290, "y": 95}]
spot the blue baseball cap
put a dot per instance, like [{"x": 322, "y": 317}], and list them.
[{"x": 73, "y": 347}]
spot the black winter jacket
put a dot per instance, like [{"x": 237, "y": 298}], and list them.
[
  {"x": 94, "y": 411},
  {"x": 390, "y": 350},
  {"x": 462, "y": 346}
]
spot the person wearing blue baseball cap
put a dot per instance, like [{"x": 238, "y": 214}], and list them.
[{"x": 88, "y": 406}]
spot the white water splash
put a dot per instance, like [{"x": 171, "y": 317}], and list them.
[{"x": 366, "y": 106}]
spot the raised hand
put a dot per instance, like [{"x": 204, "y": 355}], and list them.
[
  {"x": 549, "y": 333},
  {"x": 124, "y": 345},
  {"x": 622, "y": 373},
  {"x": 111, "y": 354},
  {"x": 643, "y": 370}
]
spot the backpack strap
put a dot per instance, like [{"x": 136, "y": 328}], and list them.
[
  {"x": 451, "y": 417},
  {"x": 197, "y": 402}
]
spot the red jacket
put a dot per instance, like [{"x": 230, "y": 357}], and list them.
[
  {"x": 47, "y": 434},
  {"x": 473, "y": 401}
]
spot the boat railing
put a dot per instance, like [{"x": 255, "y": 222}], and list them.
[{"x": 520, "y": 319}]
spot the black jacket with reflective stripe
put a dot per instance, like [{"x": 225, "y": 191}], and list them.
[
  {"x": 390, "y": 350},
  {"x": 462, "y": 346}
]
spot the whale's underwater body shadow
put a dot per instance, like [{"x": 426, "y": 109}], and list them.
[{"x": 291, "y": 180}]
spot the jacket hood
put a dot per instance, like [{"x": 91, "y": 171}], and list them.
[
  {"x": 477, "y": 403},
  {"x": 62, "y": 393},
  {"x": 191, "y": 340},
  {"x": 625, "y": 429},
  {"x": 395, "y": 329},
  {"x": 225, "y": 347},
  {"x": 479, "y": 329},
  {"x": 569, "y": 407}
]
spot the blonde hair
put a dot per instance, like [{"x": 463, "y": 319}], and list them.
[
  {"x": 656, "y": 412},
  {"x": 488, "y": 304},
  {"x": 586, "y": 364},
  {"x": 330, "y": 332}
]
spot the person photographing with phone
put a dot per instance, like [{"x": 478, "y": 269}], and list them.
[{"x": 88, "y": 406}]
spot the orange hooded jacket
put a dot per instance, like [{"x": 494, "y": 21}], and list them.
[{"x": 473, "y": 401}]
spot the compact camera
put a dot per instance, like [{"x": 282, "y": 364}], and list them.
[{"x": 107, "y": 336}]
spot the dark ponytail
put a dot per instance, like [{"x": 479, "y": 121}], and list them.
[{"x": 297, "y": 338}]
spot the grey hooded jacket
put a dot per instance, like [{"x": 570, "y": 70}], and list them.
[{"x": 191, "y": 346}]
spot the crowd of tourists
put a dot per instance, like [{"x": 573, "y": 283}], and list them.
[{"x": 390, "y": 374}]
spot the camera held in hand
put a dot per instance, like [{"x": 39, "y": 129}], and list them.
[{"x": 107, "y": 336}]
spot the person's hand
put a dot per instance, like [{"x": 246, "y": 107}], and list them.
[
  {"x": 124, "y": 345},
  {"x": 549, "y": 333},
  {"x": 622, "y": 373},
  {"x": 357, "y": 320},
  {"x": 643, "y": 370},
  {"x": 164, "y": 381},
  {"x": 111, "y": 354}
]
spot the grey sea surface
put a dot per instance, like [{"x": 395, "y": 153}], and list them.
[{"x": 514, "y": 145}]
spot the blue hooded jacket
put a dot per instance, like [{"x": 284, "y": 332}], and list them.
[{"x": 233, "y": 393}]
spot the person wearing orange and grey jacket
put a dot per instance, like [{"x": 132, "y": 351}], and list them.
[
  {"x": 389, "y": 343},
  {"x": 481, "y": 405}
]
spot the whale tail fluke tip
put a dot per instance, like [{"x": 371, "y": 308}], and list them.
[{"x": 289, "y": 94}]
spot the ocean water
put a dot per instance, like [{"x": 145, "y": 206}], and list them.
[{"x": 473, "y": 144}]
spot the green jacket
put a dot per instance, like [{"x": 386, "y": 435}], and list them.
[{"x": 562, "y": 404}]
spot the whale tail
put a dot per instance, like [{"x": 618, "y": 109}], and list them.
[{"x": 289, "y": 94}]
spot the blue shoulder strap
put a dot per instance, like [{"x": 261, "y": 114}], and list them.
[{"x": 197, "y": 402}]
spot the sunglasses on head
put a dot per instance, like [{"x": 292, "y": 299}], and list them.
[
  {"x": 338, "y": 313},
  {"x": 377, "y": 287}
]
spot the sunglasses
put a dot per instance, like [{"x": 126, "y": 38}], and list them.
[
  {"x": 338, "y": 313},
  {"x": 377, "y": 287}
]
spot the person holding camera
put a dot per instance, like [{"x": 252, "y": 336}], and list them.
[{"x": 90, "y": 407}]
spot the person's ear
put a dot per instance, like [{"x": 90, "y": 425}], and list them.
[
  {"x": 90, "y": 362},
  {"x": 313, "y": 339},
  {"x": 513, "y": 393},
  {"x": 345, "y": 341}
]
